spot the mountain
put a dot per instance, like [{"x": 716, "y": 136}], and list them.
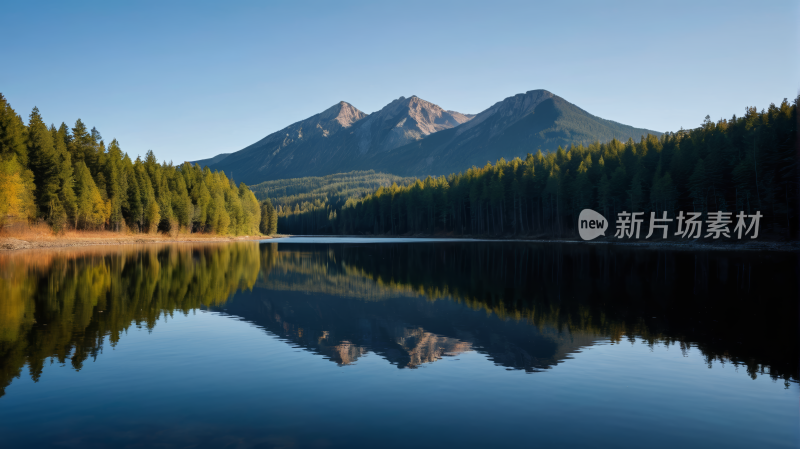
[
  {"x": 335, "y": 139},
  {"x": 403, "y": 121},
  {"x": 413, "y": 137},
  {"x": 513, "y": 127},
  {"x": 305, "y": 145}
]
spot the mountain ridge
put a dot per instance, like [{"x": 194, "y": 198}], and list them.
[
  {"x": 515, "y": 126},
  {"x": 330, "y": 142},
  {"x": 413, "y": 137}
]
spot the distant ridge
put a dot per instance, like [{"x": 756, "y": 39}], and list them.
[
  {"x": 413, "y": 137},
  {"x": 213, "y": 160}
]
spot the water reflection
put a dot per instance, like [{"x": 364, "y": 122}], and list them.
[
  {"x": 63, "y": 304},
  {"x": 527, "y": 306},
  {"x": 407, "y": 331}
]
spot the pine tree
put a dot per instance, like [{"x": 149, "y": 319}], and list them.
[
  {"x": 66, "y": 193},
  {"x": 43, "y": 162},
  {"x": 91, "y": 209},
  {"x": 269, "y": 218},
  {"x": 251, "y": 210},
  {"x": 151, "y": 213},
  {"x": 12, "y": 130},
  {"x": 181, "y": 202},
  {"x": 202, "y": 199},
  {"x": 133, "y": 208},
  {"x": 80, "y": 145},
  {"x": 115, "y": 187}
]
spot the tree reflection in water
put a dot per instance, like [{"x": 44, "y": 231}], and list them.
[{"x": 526, "y": 305}]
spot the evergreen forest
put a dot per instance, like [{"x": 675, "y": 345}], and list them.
[
  {"x": 300, "y": 201},
  {"x": 746, "y": 163},
  {"x": 70, "y": 178}
]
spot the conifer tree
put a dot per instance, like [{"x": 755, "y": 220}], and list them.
[
  {"x": 17, "y": 180},
  {"x": 202, "y": 199},
  {"x": 269, "y": 218},
  {"x": 43, "y": 162},
  {"x": 12, "y": 130},
  {"x": 115, "y": 187},
  {"x": 181, "y": 202},
  {"x": 251, "y": 212},
  {"x": 91, "y": 209},
  {"x": 80, "y": 145},
  {"x": 133, "y": 207},
  {"x": 66, "y": 192}
]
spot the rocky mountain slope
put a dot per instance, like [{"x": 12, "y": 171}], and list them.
[
  {"x": 403, "y": 121},
  {"x": 413, "y": 137},
  {"x": 513, "y": 127},
  {"x": 334, "y": 140}
]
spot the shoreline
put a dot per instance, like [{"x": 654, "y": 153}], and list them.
[
  {"x": 679, "y": 245},
  {"x": 12, "y": 243},
  {"x": 43, "y": 241}
]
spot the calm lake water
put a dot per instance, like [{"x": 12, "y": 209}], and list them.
[{"x": 398, "y": 343}]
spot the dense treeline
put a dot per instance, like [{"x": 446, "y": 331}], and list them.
[
  {"x": 70, "y": 178},
  {"x": 304, "y": 204},
  {"x": 745, "y": 164}
]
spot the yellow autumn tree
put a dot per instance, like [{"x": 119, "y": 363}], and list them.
[{"x": 16, "y": 194}]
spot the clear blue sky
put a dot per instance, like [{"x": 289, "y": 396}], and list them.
[{"x": 191, "y": 80}]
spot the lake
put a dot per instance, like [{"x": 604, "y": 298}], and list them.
[{"x": 330, "y": 342}]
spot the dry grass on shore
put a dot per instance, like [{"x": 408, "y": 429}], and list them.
[{"x": 41, "y": 236}]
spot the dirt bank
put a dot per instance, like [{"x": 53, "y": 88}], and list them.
[{"x": 43, "y": 240}]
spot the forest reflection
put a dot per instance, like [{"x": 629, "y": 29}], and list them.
[
  {"x": 538, "y": 303},
  {"x": 63, "y": 304},
  {"x": 735, "y": 307}
]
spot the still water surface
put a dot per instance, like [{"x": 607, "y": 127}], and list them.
[{"x": 351, "y": 343}]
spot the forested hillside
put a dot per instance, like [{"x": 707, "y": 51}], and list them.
[
  {"x": 294, "y": 198},
  {"x": 70, "y": 178},
  {"x": 331, "y": 188},
  {"x": 746, "y": 163}
]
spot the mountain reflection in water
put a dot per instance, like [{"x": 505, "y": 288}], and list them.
[{"x": 526, "y": 306}]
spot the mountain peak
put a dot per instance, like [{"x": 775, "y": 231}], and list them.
[
  {"x": 403, "y": 121},
  {"x": 342, "y": 112},
  {"x": 511, "y": 109}
]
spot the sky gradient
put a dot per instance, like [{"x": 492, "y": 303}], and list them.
[{"x": 192, "y": 80}]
